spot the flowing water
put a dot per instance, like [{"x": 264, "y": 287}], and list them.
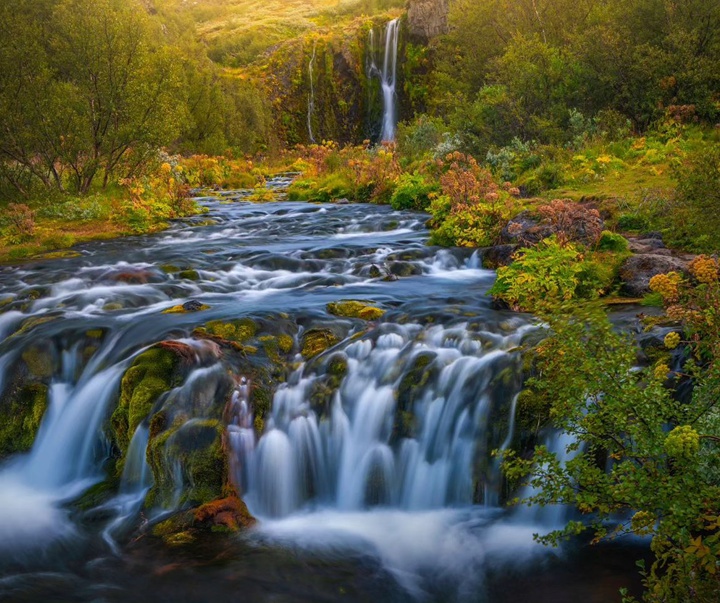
[
  {"x": 387, "y": 76},
  {"x": 384, "y": 491},
  {"x": 311, "y": 94}
]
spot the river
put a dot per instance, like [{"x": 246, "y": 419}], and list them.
[{"x": 350, "y": 505}]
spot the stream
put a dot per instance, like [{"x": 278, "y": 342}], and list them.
[{"x": 387, "y": 492}]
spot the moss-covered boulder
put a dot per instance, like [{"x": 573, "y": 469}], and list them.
[
  {"x": 355, "y": 309},
  {"x": 21, "y": 412},
  {"x": 316, "y": 341},
  {"x": 153, "y": 373},
  {"x": 189, "y": 458}
]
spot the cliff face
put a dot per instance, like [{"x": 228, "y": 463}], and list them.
[{"x": 427, "y": 18}]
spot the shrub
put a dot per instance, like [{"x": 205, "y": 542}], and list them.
[
  {"x": 412, "y": 192},
  {"x": 610, "y": 241},
  {"x": 548, "y": 274},
  {"x": 697, "y": 215},
  {"x": 572, "y": 221},
  {"x": 472, "y": 208},
  {"x": 19, "y": 222}
]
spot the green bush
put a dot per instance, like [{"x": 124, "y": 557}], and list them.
[
  {"x": 548, "y": 274},
  {"x": 610, "y": 241},
  {"x": 696, "y": 221},
  {"x": 413, "y": 192}
]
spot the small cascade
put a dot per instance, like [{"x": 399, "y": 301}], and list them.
[
  {"x": 311, "y": 96},
  {"x": 64, "y": 459},
  {"x": 134, "y": 485},
  {"x": 409, "y": 427},
  {"x": 387, "y": 76}
]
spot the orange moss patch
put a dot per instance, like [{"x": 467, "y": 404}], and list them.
[{"x": 230, "y": 513}]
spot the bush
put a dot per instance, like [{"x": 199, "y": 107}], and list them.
[
  {"x": 609, "y": 241},
  {"x": 412, "y": 192},
  {"x": 472, "y": 208},
  {"x": 19, "y": 223},
  {"x": 697, "y": 216},
  {"x": 548, "y": 274}
]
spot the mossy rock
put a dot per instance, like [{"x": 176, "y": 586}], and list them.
[
  {"x": 355, "y": 309},
  {"x": 316, "y": 341},
  {"x": 189, "y": 275},
  {"x": 152, "y": 374},
  {"x": 33, "y": 322},
  {"x": 197, "y": 447},
  {"x": 21, "y": 412},
  {"x": 39, "y": 362},
  {"x": 185, "y": 309},
  {"x": 240, "y": 330}
]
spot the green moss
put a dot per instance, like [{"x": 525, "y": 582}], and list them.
[
  {"x": 169, "y": 269},
  {"x": 39, "y": 362},
  {"x": 31, "y": 323},
  {"x": 316, "y": 341},
  {"x": 355, "y": 309},
  {"x": 609, "y": 241},
  {"x": 21, "y": 412},
  {"x": 285, "y": 343},
  {"x": 152, "y": 374},
  {"x": 189, "y": 275},
  {"x": 197, "y": 447},
  {"x": 95, "y": 334},
  {"x": 236, "y": 330},
  {"x": 180, "y": 309}
]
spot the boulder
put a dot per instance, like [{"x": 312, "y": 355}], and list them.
[
  {"x": 498, "y": 256},
  {"x": 637, "y": 271},
  {"x": 428, "y": 19}
]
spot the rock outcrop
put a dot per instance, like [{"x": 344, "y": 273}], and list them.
[{"x": 428, "y": 19}]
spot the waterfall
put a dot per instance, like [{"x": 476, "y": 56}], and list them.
[
  {"x": 383, "y": 441},
  {"x": 387, "y": 77},
  {"x": 311, "y": 96}
]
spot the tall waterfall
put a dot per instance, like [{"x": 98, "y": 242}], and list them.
[
  {"x": 387, "y": 77},
  {"x": 311, "y": 95},
  {"x": 375, "y": 444}
]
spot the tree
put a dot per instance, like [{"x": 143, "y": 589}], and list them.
[{"x": 644, "y": 460}]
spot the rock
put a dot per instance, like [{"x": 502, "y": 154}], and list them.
[
  {"x": 316, "y": 341},
  {"x": 524, "y": 229},
  {"x": 230, "y": 513},
  {"x": 428, "y": 19},
  {"x": 355, "y": 309},
  {"x": 342, "y": 201},
  {"x": 646, "y": 245},
  {"x": 574, "y": 222},
  {"x": 498, "y": 256},
  {"x": 637, "y": 271},
  {"x": 190, "y": 306}
]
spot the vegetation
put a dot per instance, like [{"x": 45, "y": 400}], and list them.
[
  {"x": 551, "y": 129},
  {"x": 639, "y": 453}
]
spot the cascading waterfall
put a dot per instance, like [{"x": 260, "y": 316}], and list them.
[
  {"x": 311, "y": 95},
  {"x": 374, "y": 448},
  {"x": 387, "y": 77},
  {"x": 64, "y": 458}
]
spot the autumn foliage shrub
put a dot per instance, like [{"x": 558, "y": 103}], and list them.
[
  {"x": 19, "y": 222},
  {"x": 472, "y": 208}
]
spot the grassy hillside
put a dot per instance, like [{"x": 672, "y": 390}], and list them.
[{"x": 237, "y": 32}]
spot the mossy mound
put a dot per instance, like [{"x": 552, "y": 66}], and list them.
[
  {"x": 355, "y": 309},
  {"x": 152, "y": 374},
  {"x": 186, "y": 309},
  {"x": 316, "y": 341},
  {"x": 241, "y": 330},
  {"x": 21, "y": 412},
  {"x": 196, "y": 447},
  {"x": 39, "y": 362},
  {"x": 411, "y": 387}
]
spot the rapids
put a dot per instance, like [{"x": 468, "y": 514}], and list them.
[{"x": 388, "y": 492}]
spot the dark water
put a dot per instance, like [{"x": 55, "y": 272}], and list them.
[{"x": 260, "y": 261}]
